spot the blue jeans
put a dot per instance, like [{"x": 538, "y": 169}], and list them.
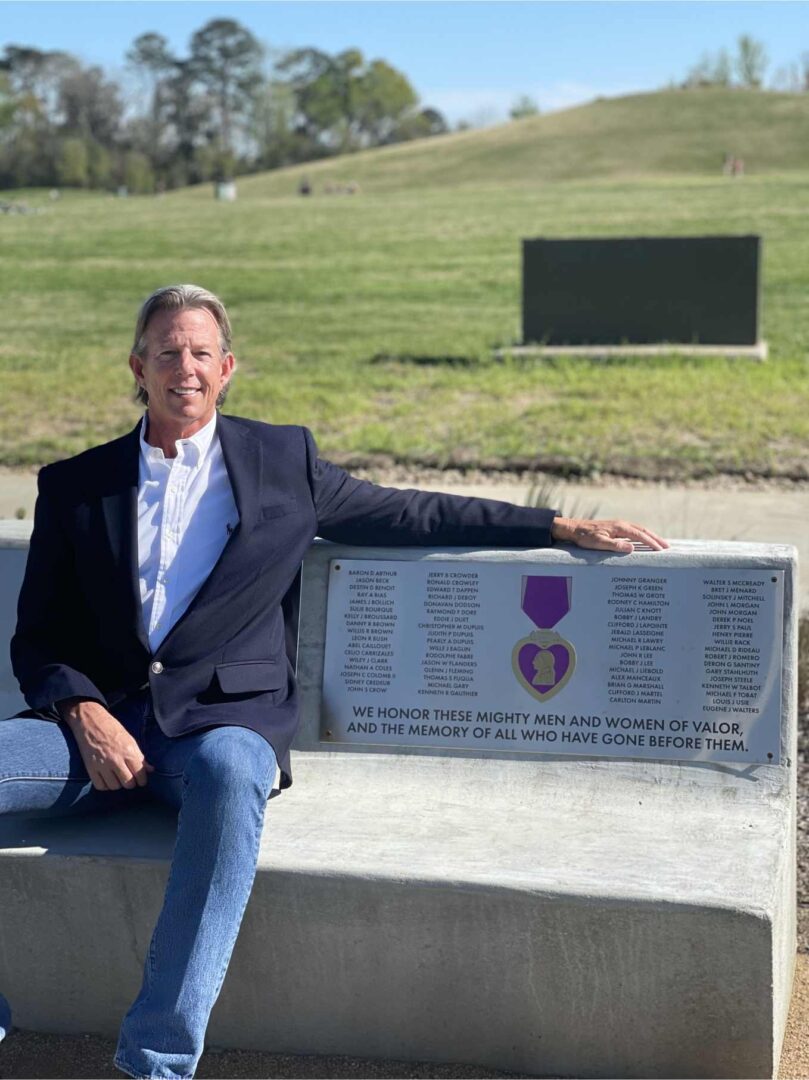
[{"x": 219, "y": 780}]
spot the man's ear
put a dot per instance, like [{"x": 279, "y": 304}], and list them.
[
  {"x": 136, "y": 364},
  {"x": 228, "y": 366}
]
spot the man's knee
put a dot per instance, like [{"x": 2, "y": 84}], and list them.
[{"x": 232, "y": 758}]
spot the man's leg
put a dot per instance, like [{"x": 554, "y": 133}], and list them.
[
  {"x": 220, "y": 779},
  {"x": 42, "y": 775}
]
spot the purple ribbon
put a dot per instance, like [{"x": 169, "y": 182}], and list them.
[{"x": 545, "y": 600}]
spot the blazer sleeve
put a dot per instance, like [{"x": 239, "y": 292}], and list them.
[
  {"x": 50, "y": 610},
  {"x": 352, "y": 511}
]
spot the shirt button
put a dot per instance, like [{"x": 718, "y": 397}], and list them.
[{"x": 157, "y": 667}]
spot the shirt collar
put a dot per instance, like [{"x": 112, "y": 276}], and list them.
[{"x": 192, "y": 450}]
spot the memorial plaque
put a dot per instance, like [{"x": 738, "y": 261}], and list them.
[
  {"x": 680, "y": 663},
  {"x": 696, "y": 290}
]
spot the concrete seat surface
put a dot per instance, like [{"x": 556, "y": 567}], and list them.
[{"x": 436, "y": 819}]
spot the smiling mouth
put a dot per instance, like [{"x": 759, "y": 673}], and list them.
[{"x": 185, "y": 391}]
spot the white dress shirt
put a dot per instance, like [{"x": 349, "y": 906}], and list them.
[{"x": 186, "y": 513}]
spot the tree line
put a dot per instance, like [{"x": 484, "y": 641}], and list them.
[
  {"x": 220, "y": 111},
  {"x": 745, "y": 68}
]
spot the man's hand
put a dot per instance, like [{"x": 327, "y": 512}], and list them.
[
  {"x": 620, "y": 536},
  {"x": 111, "y": 756}
]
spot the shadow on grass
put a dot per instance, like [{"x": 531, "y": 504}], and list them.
[
  {"x": 502, "y": 356},
  {"x": 426, "y": 360}
]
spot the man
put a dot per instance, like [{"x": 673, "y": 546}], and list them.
[{"x": 151, "y": 637}]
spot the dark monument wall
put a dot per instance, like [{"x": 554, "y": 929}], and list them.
[{"x": 642, "y": 290}]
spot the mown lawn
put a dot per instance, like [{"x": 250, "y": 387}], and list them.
[{"x": 372, "y": 319}]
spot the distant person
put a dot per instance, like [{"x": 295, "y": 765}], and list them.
[
  {"x": 151, "y": 638},
  {"x": 304, "y": 187}
]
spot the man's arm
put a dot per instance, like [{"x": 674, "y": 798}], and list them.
[
  {"x": 353, "y": 511},
  {"x": 50, "y": 613},
  {"x": 111, "y": 756}
]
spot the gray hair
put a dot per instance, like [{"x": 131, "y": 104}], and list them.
[{"x": 181, "y": 298}]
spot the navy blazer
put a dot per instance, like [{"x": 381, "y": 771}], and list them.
[{"x": 228, "y": 660}]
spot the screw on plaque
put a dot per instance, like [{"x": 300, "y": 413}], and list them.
[
  {"x": 328, "y": 734},
  {"x": 336, "y": 566}
]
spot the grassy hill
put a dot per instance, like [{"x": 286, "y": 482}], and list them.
[
  {"x": 672, "y": 131},
  {"x": 372, "y": 318}
]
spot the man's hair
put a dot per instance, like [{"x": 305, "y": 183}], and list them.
[{"x": 180, "y": 298}]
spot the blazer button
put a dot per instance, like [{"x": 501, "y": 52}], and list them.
[{"x": 157, "y": 667}]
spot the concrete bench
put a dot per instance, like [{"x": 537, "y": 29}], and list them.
[{"x": 547, "y": 914}]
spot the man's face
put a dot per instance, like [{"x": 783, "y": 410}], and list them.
[{"x": 182, "y": 370}]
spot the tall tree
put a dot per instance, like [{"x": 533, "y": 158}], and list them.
[
  {"x": 751, "y": 61},
  {"x": 383, "y": 98},
  {"x": 151, "y": 58},
  {"x": 8, "y": 105},
  {"x": 313, "y": 78},
  {"x": 35, "y": 78},
  {"x": 273, "y": 127},
  {"x": 344, "y": 103},
  {"x": 91, "y": 105},
  {"x": 226, "y": 60},
  {"x": 189, "y": 113}
]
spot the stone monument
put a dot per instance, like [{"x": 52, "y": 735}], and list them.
[
  {"x": 543, "y": 820},
  {"x": 643, "y": 296}
]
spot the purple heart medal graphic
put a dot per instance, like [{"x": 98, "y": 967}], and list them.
[{"x": 543, "y": 661}]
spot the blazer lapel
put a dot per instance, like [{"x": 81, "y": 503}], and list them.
[
  {"x": 242, "y": 453},
  {"x": 119, "y": 495},
  {"x": 243, "y": 460}
]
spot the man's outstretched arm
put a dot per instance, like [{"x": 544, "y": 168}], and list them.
[{"x": 353, "y": 511}]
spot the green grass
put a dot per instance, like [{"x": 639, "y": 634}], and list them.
[
  {"x": 669, "y": 132},
  {"x": 347, "y": 308}
]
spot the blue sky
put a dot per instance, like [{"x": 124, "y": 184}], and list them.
[{"x": 469, "y": 59}]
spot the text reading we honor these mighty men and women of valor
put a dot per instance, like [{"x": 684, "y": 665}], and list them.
[{"x": 680, "y": 663}]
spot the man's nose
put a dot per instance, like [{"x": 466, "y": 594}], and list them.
[{"x": 185, "y": 360}]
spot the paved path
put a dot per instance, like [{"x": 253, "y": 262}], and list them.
[{"x": 775, "y": 515}]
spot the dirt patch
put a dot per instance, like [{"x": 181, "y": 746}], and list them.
[
  {"x": 803, "y": 834},
  {"x": 30, "y": 1055}
]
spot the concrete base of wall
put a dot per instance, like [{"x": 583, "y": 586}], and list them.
[
  {"x": 759, "y": 351},
  {"x": 391, "y": 919}
]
